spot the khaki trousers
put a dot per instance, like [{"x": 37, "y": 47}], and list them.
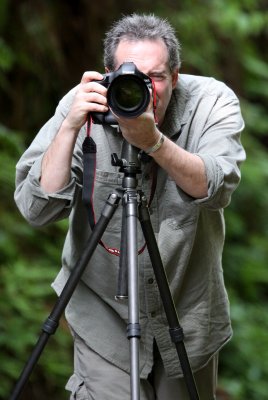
[{"x": 95, "y": 378}]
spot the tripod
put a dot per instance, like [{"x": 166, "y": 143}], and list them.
[{"x": 134, "y": 207}]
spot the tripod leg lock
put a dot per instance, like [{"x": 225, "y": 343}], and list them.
[
  {"x": 176, "y": 334},
  {"x": 133, "y": 330},
  {"x": 50, "y": 326}
]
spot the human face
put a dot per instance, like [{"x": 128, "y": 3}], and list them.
[{"x": 151, "y": 58}]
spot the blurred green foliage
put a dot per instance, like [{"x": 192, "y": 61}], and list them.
[
  {"x": 29, "y": 260},
  {"x": 38, "y": 63}
]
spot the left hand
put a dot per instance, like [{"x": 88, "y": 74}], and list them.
[{"x": 141, "y": 131}]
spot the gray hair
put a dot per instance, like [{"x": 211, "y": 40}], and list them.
[{"x": 140, "y": 27}]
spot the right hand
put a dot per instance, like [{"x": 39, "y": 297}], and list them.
[{"x": 90, "y": 97}]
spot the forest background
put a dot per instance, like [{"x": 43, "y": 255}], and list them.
[{"x": 45, "y": 46}]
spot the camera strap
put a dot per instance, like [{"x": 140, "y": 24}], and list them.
[{"x": 89, "y": 160}]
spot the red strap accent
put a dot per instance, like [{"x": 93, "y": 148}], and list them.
[{"x": 154, "y": 102}]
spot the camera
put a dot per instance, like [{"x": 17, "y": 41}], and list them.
[{"x": 128, "y": 94}]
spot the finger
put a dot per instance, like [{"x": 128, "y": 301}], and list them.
[
  {"x": 94, "y": 97},
  {"x": 89, "y": 76},
  {"x": 95, "y": 107},
  {"x": 94, "y": 87},
  {"x": 80, "y": 110}
]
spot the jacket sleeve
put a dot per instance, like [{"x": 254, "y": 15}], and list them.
[
  {"x": 34, "y": 204},
  {"x": 220, "y": 148}
]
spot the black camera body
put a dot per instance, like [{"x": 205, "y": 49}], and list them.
[{"x": 128, "y": 94}]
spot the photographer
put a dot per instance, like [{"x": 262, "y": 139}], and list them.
[{"x": 192, "y": 135}]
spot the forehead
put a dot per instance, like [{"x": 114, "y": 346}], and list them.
[{"x": 148, "y": 55}]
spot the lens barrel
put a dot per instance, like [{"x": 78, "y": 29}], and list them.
[{"x": 128, "y": 96}]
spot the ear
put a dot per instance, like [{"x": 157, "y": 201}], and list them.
[
  {"x": 174, "y": 77},
  {"x": 107, "y": 70}
]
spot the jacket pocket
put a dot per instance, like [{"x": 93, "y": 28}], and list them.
[{"x": 105, "y": 184}]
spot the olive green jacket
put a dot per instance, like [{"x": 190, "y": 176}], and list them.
[{"x": 204, "y": 118}]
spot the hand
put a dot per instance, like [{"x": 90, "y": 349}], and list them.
[
  {"x": 141, "y": 131},
  {"x": 90, "y": 97}
]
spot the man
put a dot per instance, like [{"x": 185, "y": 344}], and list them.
[{"x": 196, "y": 150}]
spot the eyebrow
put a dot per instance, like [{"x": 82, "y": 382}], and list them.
[{"x": 157, "y": 72}]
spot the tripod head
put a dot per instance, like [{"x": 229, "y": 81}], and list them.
[{"x": 129, "y": 163}]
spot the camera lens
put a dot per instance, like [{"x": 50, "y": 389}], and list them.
[{"x": 128, "y": 96}]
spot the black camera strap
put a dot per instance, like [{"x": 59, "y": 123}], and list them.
[{"x": 89, "y": 160}]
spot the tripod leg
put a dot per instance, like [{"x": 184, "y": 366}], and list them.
[
  {"x": 175, "y": 329},
  {"x": 122, "y": 285},
  {"x": 133, "y": 330},
  {"x": 52, "y": 322}
]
